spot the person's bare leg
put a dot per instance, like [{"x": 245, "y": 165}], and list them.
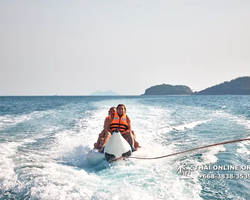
[
  {"x": 101, "y": 142},
  {"x": 105, "y": 141},
  {"x": 130, "y": 138},
  {"x": 136, "y": 144},
  {"x": 98, "y": 143},
  {"x": 134, "y": 135}
]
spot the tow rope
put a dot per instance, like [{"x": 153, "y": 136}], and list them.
[{"x": 211, "y": 145}]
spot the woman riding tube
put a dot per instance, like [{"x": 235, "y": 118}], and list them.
[
  {"x": 98, "y": 145},
  {"x": 121, "y": 122}
]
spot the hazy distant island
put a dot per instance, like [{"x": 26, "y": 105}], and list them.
[
  {"x": 166, "y": 89},
  {"x": 104, "y": 93},
  {"x": 238, "y": 86}
]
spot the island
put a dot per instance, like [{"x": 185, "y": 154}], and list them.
[
  {"x": 166, "y": 89},
  {"x": 238, "y": 86},
  {"x": 104, "y": 93}
]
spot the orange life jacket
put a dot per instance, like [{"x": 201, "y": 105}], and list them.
[
  {"x": 108, "y": 117},
  {"x": 119, "y": 122}
]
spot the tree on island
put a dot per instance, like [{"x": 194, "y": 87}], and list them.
[
  {"x": 166, "y": 89},
  {"x": 238, "y": 86}
]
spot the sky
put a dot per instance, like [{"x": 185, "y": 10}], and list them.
[{"x": 77, "y": 47}]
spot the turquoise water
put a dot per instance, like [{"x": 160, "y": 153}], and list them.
[{"x": 44, "y": 142}]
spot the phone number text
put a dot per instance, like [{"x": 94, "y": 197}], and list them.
[{"x": 224, "y": 176}]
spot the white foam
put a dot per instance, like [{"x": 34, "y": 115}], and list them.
[
  {"x": 190, "y": 125},
  {"x": 210, "y": 155},
  {"x": 140, "y": 179},
  {"x": 7, "y": 121},
  {"x": 63, "y": 182},
  {"x": 242, "y": 120},
  {"x": 62, "y": 172},
  {"x": 243, "y": 148},
  {"x": 28, "y": 140},
  {"x": 8, "y": 177}
]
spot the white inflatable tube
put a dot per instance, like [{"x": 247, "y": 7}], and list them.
[{"x": 116, "y": 147}]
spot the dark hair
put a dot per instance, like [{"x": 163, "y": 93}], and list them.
[
  {"x": 112, "y": 108},
  {"x": 123, "y": 106}
]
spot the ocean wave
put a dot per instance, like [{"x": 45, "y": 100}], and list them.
[
  {"x": 190, "y": 125},
  {"x": 7, "y": 121},
  {"x": 50, "y": 160},
  {"x": 8, "y": 176}
]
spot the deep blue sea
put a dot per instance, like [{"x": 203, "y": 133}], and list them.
[{"x": 45, "y": 140}]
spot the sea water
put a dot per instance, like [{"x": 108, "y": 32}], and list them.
[{"x": 45, "y": 140}]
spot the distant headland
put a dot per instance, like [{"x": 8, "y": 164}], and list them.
[
  {"x": 166, "y": 89},
  {"x": 238, "y": 86},
  {"x": 104, "y": 93}
]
